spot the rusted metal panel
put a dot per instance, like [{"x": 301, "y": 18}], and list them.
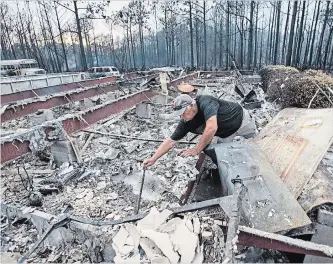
[
  {"x": 14, "y": 149},
  {"x": 24, "y": 109},
  {"x": 89, "y": 117},
  {"x": 295, "y": 141},
  {"x": 7, "y": 98},
  {"x": 16, "y": 145}
]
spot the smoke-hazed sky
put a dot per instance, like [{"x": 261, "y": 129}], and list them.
[{"x": 101, "y": 26}]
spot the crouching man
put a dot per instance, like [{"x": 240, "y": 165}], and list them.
[{"x": 210, "y": 117}]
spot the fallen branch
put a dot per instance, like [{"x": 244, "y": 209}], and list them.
[
  {"x": 319, "y": 88},
  {"x": 313, "y": 98}
]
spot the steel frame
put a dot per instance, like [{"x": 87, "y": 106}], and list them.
[
  {"x": 13, "y": 97},
  {"x": 17, "y": 145},
  {"x": 26, "y": 108}
]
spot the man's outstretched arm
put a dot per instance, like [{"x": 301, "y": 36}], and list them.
[
  {"x": 206, "y": 138},
  {"x": 162, "y": 149}
]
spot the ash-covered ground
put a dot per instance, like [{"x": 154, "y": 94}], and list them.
[{"x": 106, "y": 185}]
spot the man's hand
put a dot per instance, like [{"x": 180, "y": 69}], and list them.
[
  {"x": 190, "y": 152},
  {"x": 148, "y": 162}
]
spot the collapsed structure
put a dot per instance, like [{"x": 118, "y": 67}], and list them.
[{"x": 71, "y": 174}]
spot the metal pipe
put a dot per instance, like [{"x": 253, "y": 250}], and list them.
[
  {"x": 134, "y": 138},
  {"x": 140, "y": 193}
]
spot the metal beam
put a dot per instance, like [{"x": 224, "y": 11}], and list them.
[
  {"x": 29, "y": 106},
  {"x": 13, "y": 97},
  {"x": 132, "y": 218},
  {"x": 252, "y": 237},
  {"x": 25, "y": 108},
  {"x": 16, "y": 145}
]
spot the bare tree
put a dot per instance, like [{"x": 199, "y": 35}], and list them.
[{"x": 291, "y": 36}]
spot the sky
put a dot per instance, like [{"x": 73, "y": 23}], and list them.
[
  {"x": 101, "y": 27},
  {"x": 66, "y": 15}
]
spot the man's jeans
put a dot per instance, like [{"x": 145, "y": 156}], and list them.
[{"x": 247, "y": 129}]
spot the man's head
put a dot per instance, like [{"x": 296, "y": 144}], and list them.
[
  {"x": 186, "y": 88},
  {"x": 185, "y": 107}
]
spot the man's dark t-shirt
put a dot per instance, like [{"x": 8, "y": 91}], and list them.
[{"x": 229, "y": 117}]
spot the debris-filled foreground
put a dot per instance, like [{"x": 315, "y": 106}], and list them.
[{"x": 104, "y": 185}]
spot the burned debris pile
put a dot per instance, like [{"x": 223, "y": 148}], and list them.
[
  {"x": 291, "y": 88},
  {"x": 273, "y": 77},
  {"x": 309, "y": 89},
  {"x": 161, "y": 239},
  {"x": 87, "y": 185}
]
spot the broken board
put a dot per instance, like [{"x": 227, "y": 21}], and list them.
[
  {"x": 295, "y": 141},
  {"x": 319, "y": 190},
  {"x": 267, "y": 205}
]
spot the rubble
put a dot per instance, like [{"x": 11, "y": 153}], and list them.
[
  {"x": 273, "y": 78},
  {"x": 170, "y": 241},
  {"x": 309, "y": 89},
  {"x": 106, "y": 185}
]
